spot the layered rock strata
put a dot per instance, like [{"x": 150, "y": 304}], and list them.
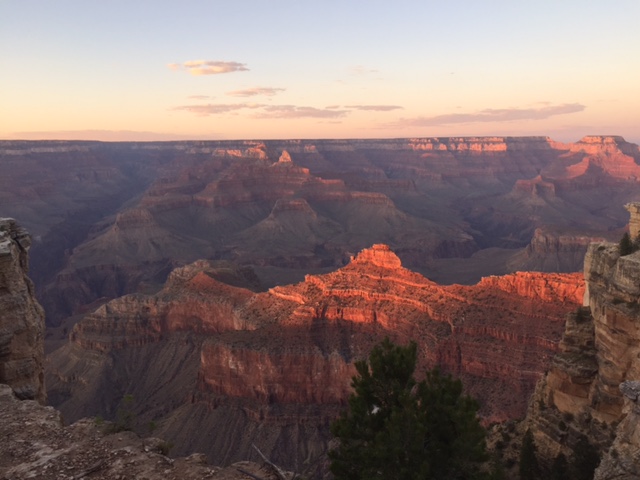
[
  {"x": 551, "y": 250},
  {"x": 112, "y": 218},
  {"x": 275, "y": 367},
  {"x": 621, "y": 460},
  {"x": 581, "y": 394},
  {"x": 21, "y": 317}
]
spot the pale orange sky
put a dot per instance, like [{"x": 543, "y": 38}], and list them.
[{"x": 300, "y": 69}]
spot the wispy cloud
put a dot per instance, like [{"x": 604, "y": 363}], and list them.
[
  {"x": 198, "y": 97},
  {"x": 491, "y": 115},
  {"x": 251, "y": 92},
  {"x": 293, "y": 111},
  {"x": 264, "y": 111},
  {"x": 217, "y": 108},
  {"x": 375, "y": 108},
  {"x": 361, "y": 70},
  {"x": 208, "y": 67}
]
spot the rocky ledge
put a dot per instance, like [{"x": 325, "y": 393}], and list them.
[
  {"x": 36, "y": 444},
  {"x": 621, "y": 461}
]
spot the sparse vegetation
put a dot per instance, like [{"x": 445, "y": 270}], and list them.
[
  {"x": 582, "y": 314},
  {"x": 628, "y": 246},
  {"x": 585, "y": 460},
  {"x": 528, "y": 468},
  {"x": 165, "y": 447},
  {"x": 560, "y": 468},
  {"x": 124, "y": 416}
]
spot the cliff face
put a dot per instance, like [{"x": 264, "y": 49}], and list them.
[
  {"x": 552, "y": 250},
  {"x": 275, "y": 367},
  {"x": 21, "y": 317},
  {"x": 621, "y": 461},
  {"x": 581, "y": 394}
]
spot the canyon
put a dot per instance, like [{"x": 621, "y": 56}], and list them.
[
  {"x": 274, "y": 368},
  {"x": 110, "y": 219},
  {"x": 229, "y": 286}
]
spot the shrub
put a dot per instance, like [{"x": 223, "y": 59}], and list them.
[
  {"x": 165, "y": 447},
  {"x": 124, "y": 416},
  {"x": 626, "y": 246}
]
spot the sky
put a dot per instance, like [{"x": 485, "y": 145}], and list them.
[{"x": 279, "y": 69}]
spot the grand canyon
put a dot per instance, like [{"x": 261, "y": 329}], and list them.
[{"x": 229, "y": 286}]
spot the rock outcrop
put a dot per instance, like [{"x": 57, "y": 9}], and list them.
[
  {"x": 634, "y": 221},
  {"x": 552, "y": 250},
  {"x": 621, "y": 461},
  {"x": 275, "y": 367},
  {"x": 600, "y": 350},
  {"x": 21, "y": 317},
  {"x": 37, "y": 444}
]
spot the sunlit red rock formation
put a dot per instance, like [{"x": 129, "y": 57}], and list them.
[{"x": 284, "y": 358}]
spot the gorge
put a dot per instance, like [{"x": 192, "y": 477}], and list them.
[
  {"x": 229, "y": 286},
  {"x": 113, "y": 218}
]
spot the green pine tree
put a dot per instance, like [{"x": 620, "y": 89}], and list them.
[
  {"x": 528, "y": 460},
  {"x": 585, "y": 459},
  {"x": 559, "y": 468},
  {"x": 625, "y": 245},
  {"x": 397, "y": 428}
]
